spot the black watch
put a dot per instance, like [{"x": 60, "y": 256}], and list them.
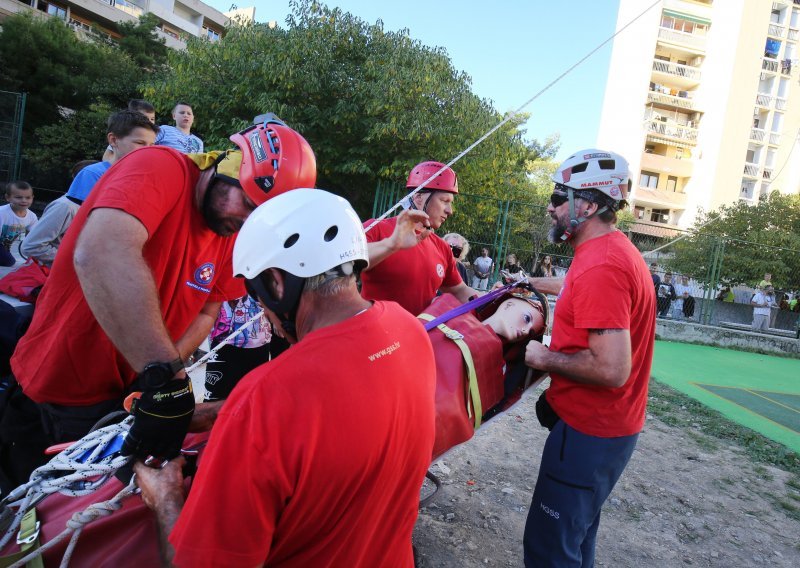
[{"x": 156, "y": 375}]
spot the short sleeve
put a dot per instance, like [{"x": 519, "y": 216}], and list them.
[{"x": 602, "y": 299}]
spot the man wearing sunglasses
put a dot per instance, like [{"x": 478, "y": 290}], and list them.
[
  {"x": 135, "y": 288},
  {"x": 599, "y": 360}
]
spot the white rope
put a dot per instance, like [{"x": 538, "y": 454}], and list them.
[
  {"x": 77, "y": 471},
  {"x": 508, "y": 117},
  {"x": 224, "y": 342}
]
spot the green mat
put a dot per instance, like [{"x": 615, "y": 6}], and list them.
[{"x": 761, "y": 392}]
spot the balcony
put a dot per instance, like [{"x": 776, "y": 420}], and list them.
[
  {"x": 685, "y": 74},
  {"x": 780, "y": 103},
  {"x": 793, "y": 34},
  {"x": 125, "y": 6},
  {"x": 670, "y": 133},
  {"x": 758, "y": 134},
  {"x": 774, "y": 138},
  {"x": 763, "y": 100},
  {"x": 767, "y": 173},
  {"x": 694, "y": 42},
  {"x": 670, "y": 100},
  {"x": 751, "y": 170},
  {"x": 776, "y": 30},
  {"x": 678, "y": 167},
  {"x": 769, "y": 64}
]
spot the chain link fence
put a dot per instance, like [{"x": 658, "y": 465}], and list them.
[
  {"x": 713, "y": 278},
  {"x": 12, "y": 111}
]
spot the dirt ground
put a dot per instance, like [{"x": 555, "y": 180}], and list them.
[{"x": 679, "y": 502}]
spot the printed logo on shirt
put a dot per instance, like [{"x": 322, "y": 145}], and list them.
[
  {"x": 202, "y": 278},
  {"x": 383, "y": 352},
  {"x": 440, "y": 270}
]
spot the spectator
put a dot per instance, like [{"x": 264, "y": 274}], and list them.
[
  {"x": 483, "y": 266},
  {"x": 16, "y": 219},
  {"x": 656, "y": 278},
  {"x": 408, "y": 263},
  {"x": 767, "y": 281},
  {"x": 180, "y": 136},
  {"x": 127, "y": 131},
  {"x": 794, "y": 305},
  {"x": 726, "y": 295},
  {"x": 682, "y": 292},
  {"x": 307, "y": 484},
  {"x": 460, "y": 247},
  {"x": 136, "y": 105},
  {"x": 544, "y": 269},
  {"x": 134, "y": 289},
  {"x": 762, "y": 302},
  {"x": 599, "y": 361},
  {"x": 666, "y": 293},
  {"x": 511, "y": 269}
]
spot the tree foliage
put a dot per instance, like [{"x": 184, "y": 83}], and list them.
[
  {"x": 759, "y": 238},
  {"x": 371, "y": 102},
  {"x": 141, "y": 42}
]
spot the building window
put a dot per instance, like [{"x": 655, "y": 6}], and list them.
[
  {"x": 52, "y": 9},
  {"x": 648, "y": 179},
  {"x": 659, "y": 215},
  {"x": 638, "y": 212},
  {"x": 672, "y": 183},
  {"x": 210, "y": 34}
]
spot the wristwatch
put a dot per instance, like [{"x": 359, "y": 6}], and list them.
[{"x": 156, "y": 375}]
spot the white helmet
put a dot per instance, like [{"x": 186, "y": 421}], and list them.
[
  {"x": 607, "y": 172},
  {"x": 304, "y": 232}
]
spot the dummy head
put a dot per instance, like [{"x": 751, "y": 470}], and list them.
[{"x": 519, "y": 316}]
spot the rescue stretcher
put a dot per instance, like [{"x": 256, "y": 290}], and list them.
[{"x": 478, "y": 377}]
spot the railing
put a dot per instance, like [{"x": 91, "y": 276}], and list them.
[
  {"x": 763, "y": 100},
  {"x": 780, "y": 103},
  {"x": 677, "y": 69},
  {"x": 672, "y": 130},
  {"x": 748, "y": 190},
  {"x": 751, "y": 170},
  {"x": 767, "y": 172},
  {"x": 695, "y": 41},
  {"x": 768, "y": 64},
  {"x": 757, "y": 134},
  {"x": 665, "y": 99},
  {"x": 125, "y": 6},
  {"x": 774, "y": 138},
  {"x": 793, "y": 34},
  {"x": 776, "y": 30}
]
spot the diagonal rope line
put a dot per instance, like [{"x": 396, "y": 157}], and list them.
[{"x": 509, "y": 117}]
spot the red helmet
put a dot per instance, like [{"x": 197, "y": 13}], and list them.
[
  {"x": 275, "y": 159},
  {"x": 445, "y": 181}
]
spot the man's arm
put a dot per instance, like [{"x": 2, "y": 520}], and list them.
[
  {"x": 198, "y": 330},
  {"x": 119, "y": 287},
  {"x": 404, "y": 236},
  {"x": 162, "y": 492},
  {"x": 51, "y": 227},
  {"x": 462, "y": 292},
  {"x": 607, "y": 361},
  {"x": 547, "y": 285}
]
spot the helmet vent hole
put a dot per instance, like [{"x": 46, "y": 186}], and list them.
[
  {"x": 331, "y": 233},
  {"x": 577, "y": 168},
  {"x": 291, "y": 241},
  {"x": 607, "y": 164}
]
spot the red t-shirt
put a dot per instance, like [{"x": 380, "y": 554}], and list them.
[
  {"x": 608, "y": 286},
  {"x": 410, "y": 276},
  {"x": 65, "y": 357},
  {"x": 317, "y": 457}
]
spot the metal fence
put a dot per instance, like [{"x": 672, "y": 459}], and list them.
[
  {"x": 12, "y": 111},
  {"x": 703, "y": 264}
]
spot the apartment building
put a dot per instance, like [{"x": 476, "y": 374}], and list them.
[
  {"x": 178, "y": 19},
  {"x": 703, "y": 98}
]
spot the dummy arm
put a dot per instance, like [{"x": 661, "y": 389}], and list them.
[
  {"x": 404, "y": 236},
  {"x": 119, "y": 287},
  {"x": 607, "y": 361}
]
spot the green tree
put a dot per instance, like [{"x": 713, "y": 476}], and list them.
[
  {"x": 141, "y": 42},
  {"x": 759, "y": 238},
  {"x": 371, "y": 102}
]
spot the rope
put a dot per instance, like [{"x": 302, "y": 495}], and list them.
[
  {"x": 225, "y": 341},
  {"x": 508, "y": 117},
  {"x": 77, "y": 471}
]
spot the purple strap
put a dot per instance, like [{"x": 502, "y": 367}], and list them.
[{"x": 471, "y": 305}]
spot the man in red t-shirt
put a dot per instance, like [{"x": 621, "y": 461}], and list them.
[
  {"x": 408, "y": 263},
  {"x": 599, "y": 361},
  {"x": 317, "y": 457},
  {"x": 135, "y": 288}
]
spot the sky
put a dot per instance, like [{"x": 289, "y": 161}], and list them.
[{"x": 512, "y": 49}]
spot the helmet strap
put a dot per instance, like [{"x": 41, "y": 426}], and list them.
[
  {"x": 574, "y": 220},
  {"x": 286, "y": 307}
]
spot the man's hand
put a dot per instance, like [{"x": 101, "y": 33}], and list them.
[
  {"x": 536, "y": 355},
  {"x": 161, "y": 420},
  {"x": 205, "y": 414},
  {"x": 160, "y": 486},
  {"x": 406, "y": 233}
]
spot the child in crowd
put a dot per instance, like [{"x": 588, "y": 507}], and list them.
[
  {"x": 16, "y": 219},
  {"x": 180, "y": 136}
]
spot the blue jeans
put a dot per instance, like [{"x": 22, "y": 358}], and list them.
[{"x": 576, "y": 476}]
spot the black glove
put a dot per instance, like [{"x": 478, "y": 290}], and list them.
[{"x": 161, "y": 420}]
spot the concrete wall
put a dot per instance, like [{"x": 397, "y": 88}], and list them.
[
  {"x": 720, "y": 337},
  {"x": 743, "y": 313}
]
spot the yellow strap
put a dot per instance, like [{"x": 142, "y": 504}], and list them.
[
  {"x": 28, "y": 539},
  {"x": 472, "y": 376}
]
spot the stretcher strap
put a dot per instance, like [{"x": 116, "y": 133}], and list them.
[
  {"x": 471, "y": 305},
  {"x": 475, "y": 396},
  {"x": 28, "y": 538}
]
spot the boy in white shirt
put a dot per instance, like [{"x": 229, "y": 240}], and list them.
[{"x": 16, "y": 218}]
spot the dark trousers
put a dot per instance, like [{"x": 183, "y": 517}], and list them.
[
  {"x": 28, "y": 428},
  {"x": 576, "y": 476},
  {"x": 228, "y": 366}
]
